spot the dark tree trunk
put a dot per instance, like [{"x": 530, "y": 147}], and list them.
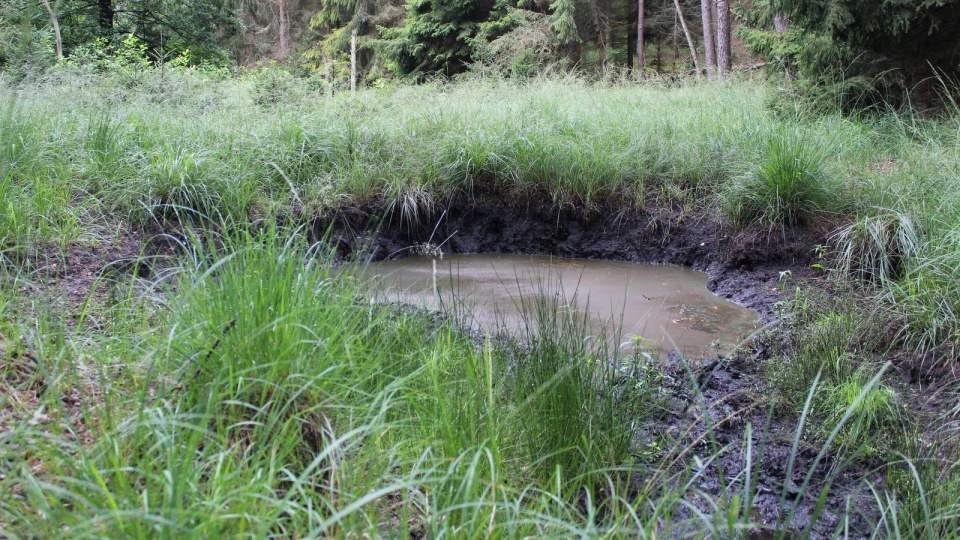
[
  {"x": 105, "y": 13},
  {"x": 630, "y": 39}
]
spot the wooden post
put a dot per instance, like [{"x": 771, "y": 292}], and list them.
[{"x": 353, "y": 62}]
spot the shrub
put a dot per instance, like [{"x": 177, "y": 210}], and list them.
[
  {"x": 877, "y": 247},
  {"x": 789, "y": 186}
]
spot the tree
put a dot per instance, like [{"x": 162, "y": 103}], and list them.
[
  {"x": 56, "y": 28},
  {"x": 709, "y": 43},
  {"x": 724, "y": 61},
  {"x": 436, "y": 36},
  {"x": 333, "y": 26},
  {"x": 686, "y": 33},
  {"x": 860, "y": 53},
  {"x": 599, "y": 32},
  {"x": 163, "y": 25}
]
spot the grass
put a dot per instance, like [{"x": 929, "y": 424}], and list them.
[
  {"x": 789, "y": 186},
  {"x": 265, "y": 398},
  {"x": 253, "y": 392}
]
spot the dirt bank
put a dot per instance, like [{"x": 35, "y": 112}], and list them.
[{"x": 743, "y": 266}]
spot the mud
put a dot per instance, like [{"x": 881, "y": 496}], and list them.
[
  {"x": 746, "y": 267},
  {"x": 743, "y": 266},
  {"x": 708, "y": 423}
]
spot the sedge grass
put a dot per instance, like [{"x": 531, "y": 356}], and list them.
[
  {"x": 271, "y": 400},
  {"x": 219, "y": 390}
]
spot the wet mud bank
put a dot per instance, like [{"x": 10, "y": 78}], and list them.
[
  {"x": 743, "y": 266},
  {"x": 706, "y": 421}
]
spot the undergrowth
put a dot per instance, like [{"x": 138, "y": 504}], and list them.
[
  {"x": 257, "y": 394},
  {"x": 263, "y": 396}
]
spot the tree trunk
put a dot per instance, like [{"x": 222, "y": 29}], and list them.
[
  {"x": 284, "y": 29},
  {"x": 601, "y": 44},
  {"x": 781, "y": 23},
  {"x": 105, "y": 18},
  {"x": 676, "y": 42},
  {"x": 723, "y": 36},
  {"x": 56, "y": 29},
  {"x": 353, "y": 62},
  {"x": 709, "y": 44},
  {"x": 640, "y": 43},
  {"x": 686, "y": 32}
]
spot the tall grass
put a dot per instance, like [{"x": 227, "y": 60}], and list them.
[
  {"x": 263, "y": 396},
  {"x": 270, "y": 399}
]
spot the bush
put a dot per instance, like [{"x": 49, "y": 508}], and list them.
[
  {"x": 789, "y": 186},
  {"x": 273, "y": 84}
]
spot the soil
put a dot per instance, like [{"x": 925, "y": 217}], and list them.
[{"x": 713, "y": 428}]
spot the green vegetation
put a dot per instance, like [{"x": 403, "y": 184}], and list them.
[
  {"x": 245, "y": 388},
  {"x": 181, "y": 358},
  {"x": 261, "y": 397}
]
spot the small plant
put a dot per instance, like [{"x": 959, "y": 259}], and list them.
[
  {"x": 877, "y": 247},
  {"x": 788, "y": 187},
  {"x": 273, "y": 84}
]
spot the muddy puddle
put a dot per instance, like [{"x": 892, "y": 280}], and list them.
[{"x": 670, "y": 306}]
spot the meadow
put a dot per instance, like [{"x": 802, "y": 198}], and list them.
[{"x": 243, "y": 388}]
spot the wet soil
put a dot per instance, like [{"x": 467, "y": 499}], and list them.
[
  {"x": 745, "y": 266},
  {"x": 729, "y": 413}
]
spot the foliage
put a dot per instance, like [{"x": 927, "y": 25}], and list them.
[
  {"x": 563, "y": 21},
  {"x": 862, "y": 53},
  {"x": 167, "y": 28},
  {"x": 333, "y": 25},
  {"x": 26, "y": 45},
  {"x": 435, "y": 37},
  {"x": 524, "y": 44}
]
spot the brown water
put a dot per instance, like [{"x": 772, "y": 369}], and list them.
[{"x": 668, "y": 305}]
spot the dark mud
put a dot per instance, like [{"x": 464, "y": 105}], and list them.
[
  {"x": 708, "y": 424},
  {"x": 743, "y": 266}
]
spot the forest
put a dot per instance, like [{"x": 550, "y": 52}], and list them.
[{"x": 199, "y": 201}]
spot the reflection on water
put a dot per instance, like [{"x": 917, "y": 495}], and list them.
[{"x": 668, "y": 305}]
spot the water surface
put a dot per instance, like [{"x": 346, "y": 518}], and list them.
[{"x": 670, "y": 306}]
